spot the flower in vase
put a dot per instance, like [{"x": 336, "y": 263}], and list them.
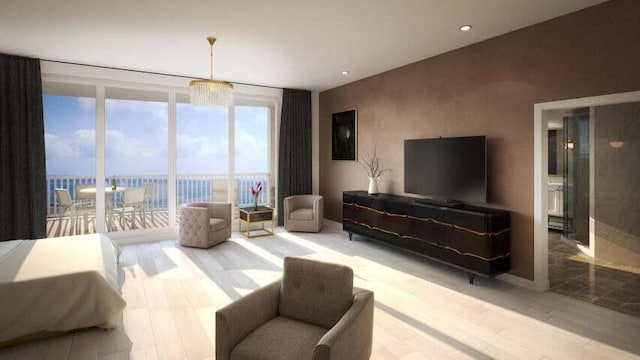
[{"x": 255, "y": 191}]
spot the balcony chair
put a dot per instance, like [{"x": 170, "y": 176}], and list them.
[
  {"x": 71, "y": 208},
  {"x": 132, "y": 200},
  {"x": 204, "y": 225},
  {"x": 87, "y": 199},
  {"x": 313, "y": 312},
  {"x": 303, "y": 213},
  {"x": 149, "y": 189}
]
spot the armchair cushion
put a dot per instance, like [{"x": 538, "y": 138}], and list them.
[
  {"x": 280, "y": 339},
  {"x": 315, "y": 292},
  {"x": 301, "y": 214},
  {"x": 217, "y": 224}
]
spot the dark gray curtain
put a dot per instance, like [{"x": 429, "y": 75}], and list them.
[
  {"x": 294, "y": 152},
  {"x": 23, "y": 205}
]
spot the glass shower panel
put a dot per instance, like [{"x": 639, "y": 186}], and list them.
[{"x": 576, "y": 176}]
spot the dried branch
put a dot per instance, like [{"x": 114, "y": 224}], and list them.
[{"x": 372, "y": 165}]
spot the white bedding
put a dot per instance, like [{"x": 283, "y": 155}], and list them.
[{"x": 58, "y": 284}]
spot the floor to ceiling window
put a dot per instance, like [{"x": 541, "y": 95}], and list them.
[
  {"x": 202, "y": 152},
  {"x": 136, "y": 159},
  {"x": 70, "y": 136},
  {"x": 126, "y": 156},
  {"x": 252, "y": 153}
]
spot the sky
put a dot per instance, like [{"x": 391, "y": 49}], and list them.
[{"x": 136, "y": 137}]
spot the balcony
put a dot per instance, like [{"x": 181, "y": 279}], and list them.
[{"x": 189, "y": 188}]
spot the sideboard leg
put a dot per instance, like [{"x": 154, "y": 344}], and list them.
[
  {"x": 472, "y": 277},
  {"x": 350, "y": 236}
]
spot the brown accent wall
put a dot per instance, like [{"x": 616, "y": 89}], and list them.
[{"x": 488, "y": 88}]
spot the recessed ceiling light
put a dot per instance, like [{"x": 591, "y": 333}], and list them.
[
  {"x": 344, "y": 72},
  {"x": 465, "y": 27}
]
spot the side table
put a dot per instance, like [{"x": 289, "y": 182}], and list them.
[{"x": 251, "y": 215}]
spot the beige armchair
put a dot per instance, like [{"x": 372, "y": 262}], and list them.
[
  {"x": 303, "y": 213},
  {"x": 204, "y": 225},
  {"x": 314, "y": 312}
]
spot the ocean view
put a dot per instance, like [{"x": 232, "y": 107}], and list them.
[{"x": 189, "y": 189}]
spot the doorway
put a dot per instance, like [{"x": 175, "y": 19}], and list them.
[{"x": 588, "y": 243}]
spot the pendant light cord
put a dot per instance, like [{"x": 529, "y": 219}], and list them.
[{"x": 211, "y": 61}]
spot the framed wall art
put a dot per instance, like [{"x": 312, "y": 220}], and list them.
[{"x": 344, "y": 130}]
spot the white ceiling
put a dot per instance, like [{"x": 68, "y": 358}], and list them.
[{"x": 282, "y": 43}]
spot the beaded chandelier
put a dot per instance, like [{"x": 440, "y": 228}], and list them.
[{"x": 210, "y": 92}]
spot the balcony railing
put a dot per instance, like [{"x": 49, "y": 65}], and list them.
[{"x": 189, "y": 188}]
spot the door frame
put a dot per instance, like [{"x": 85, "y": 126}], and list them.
[{"x": 540, "y": 175}]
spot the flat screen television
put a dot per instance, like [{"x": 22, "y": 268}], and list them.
[{"x": 447, "y": 168}]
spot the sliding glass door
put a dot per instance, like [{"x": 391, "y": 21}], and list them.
[
  {"x": 136, "y": 159},
  {"x": 70, "y": 138},
  {"x": 202, "y": 152},
  {"x": 252, "y": 153}
]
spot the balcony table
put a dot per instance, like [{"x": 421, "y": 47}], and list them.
[{"x": 109, "y": 195}]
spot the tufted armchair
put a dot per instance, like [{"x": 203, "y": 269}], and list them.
[
  {"x": 204, "y": 225},
  {"x": 312, "y": 313},
  {"x": 303, "y": 213}
]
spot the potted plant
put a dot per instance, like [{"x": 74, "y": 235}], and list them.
[{"x": 374, "y": 169}]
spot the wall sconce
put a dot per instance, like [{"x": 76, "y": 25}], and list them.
[
  {"x": 616, "y": 144},
  {"x": 570, "y": 144}
]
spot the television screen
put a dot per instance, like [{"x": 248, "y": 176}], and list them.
[{"x": 447, "y": 168}]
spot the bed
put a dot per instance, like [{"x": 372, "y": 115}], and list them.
[{"x": 51, "y": 286}]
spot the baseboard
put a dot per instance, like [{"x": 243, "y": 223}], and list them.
[{"x": 529, "y": 284}]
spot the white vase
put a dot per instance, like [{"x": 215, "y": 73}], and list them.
[{"x": 373, "y": 186}]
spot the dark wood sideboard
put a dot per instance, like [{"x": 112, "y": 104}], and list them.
[{"x": 472, "y": 238}]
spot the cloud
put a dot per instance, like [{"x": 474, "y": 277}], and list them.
[
  {"x": 121, "y": 147},
  {"x": 87, "y": 104},
  {"x": 119, "y": 108},
  {"x": 251, "y": 153},
  {"x": 85, "y": 141},
  {"x": 191, "y": 111},
  {"x": 55, "y": 147},
  {"x": 71, "y": 155},
  {"x": 199, "y": 146},
  {"x": 78, "y": 144},
  {"x": 201, "y": 155}
]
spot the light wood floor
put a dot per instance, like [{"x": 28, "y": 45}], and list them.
[{"x": 423, "y": 310}]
